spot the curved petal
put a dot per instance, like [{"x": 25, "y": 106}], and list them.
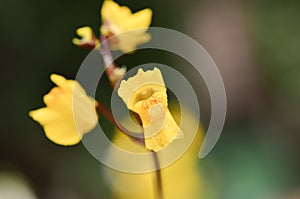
[
  {"x": 58, "y": 127},
  {"x": 119, "y": 21},
  {"x": 69, "y": 112},
  {"x": 145, "y": 94},
  {"x": 141, "y": 19}
]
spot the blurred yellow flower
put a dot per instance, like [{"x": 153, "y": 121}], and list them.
[
  {"x": 145, "y": 94},
  {"x": 88, "y": 38},
  {"x": 117, "y": 74},
  {"x": 180, "y": 180},
  {"x": 129, "y": 29},
  {"x": 69, "y": 112}
]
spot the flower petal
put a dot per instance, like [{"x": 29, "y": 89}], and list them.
[
  {"x": 69, "y": 112},
  {"x": 111, "y": 11},
  {"x": 141, "y": 19},
  {"x": 145, "y": 94},
  {"x": 58, "y": 127},
  {"x": 119, "y": 21},
  {"x": 88, "y": 38}
]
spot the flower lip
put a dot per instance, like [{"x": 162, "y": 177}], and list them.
[
  {"x": 146, "y": 94},
  {"x": 141, "y": 85}
]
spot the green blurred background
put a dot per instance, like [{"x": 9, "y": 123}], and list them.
[{"x": 255, "y": 44}]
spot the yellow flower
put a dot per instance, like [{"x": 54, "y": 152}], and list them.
[
  {"x": 180, "y": 180},
  {"x": 129, "y": 29},
  {"x": 88, "y": 38},
  {"x": 69, "y": 112},
  {"x": 117, "y": 74},
  {"x": 145, "y": 94}
]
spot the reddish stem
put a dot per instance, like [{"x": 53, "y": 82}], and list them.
[
  {"x": 159, "y": 186},
  {"x": 110, "y": 67},
  {"x": 107, "y": 114},
  {"x": 108, "y": 60}
]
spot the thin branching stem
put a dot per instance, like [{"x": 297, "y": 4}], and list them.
[
  {"x": 108, "y": 60},
  {"x": 159, "y": 186},
  {"x": 107, "y": 114},
  {"x": 109, "y": 70}
]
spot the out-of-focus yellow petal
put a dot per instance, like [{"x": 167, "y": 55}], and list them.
[
  {"x": 181, "y": 179},
  {"x": 145, "y": 94},
  {"x": 119, "y": 21},
  {"x": 88, "y": 38},
  {"x": 128, "y": 41},
  {"x": 117, "y": 74},
  {"x": 69, "y": 112},
  {"x": 141, "y": 19},
  {"x": 114, "y": 13},
  {"x": 58, "y": 126}
]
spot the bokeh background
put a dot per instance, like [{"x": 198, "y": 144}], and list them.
[{"x": 255, "y": 45}]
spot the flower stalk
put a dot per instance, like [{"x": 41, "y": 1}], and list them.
[
  {"x": 159, "y": 187},
  {"x": 106, "y": 113},
  {"x": 121, "y": 30},
  {"x": 108, "y": 60},
  {"x": 110, "y": 67}
]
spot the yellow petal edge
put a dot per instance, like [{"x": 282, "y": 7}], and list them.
[
  {"x": 69, "y": 113},
  {"x": 128, "y": 28},
  {"x": 145, "y": 94}
]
